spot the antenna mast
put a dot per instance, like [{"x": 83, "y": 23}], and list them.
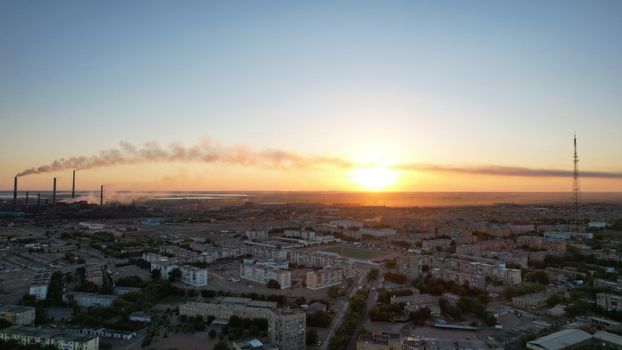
[{"x": 576, "y": 191}]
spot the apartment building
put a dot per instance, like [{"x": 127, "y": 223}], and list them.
[
  {"x": 257, "y": 234},
  {"x": 264, "y": 271},
  {"x": 18, "y": 314},
  {"x": 94, "y": 271},
  {"x": 193, "y": 276},
  {"x": 61, "y": 339},
  {"x": 265, "y": 251},
  {"x": 431, "y": 244},
  {"x": 330, "y": 275},
  {"x": 416, "y": 265},
  {"x": 286, "y": 327},
  {"x": 609, "y": 302},
  {"x": 543, "y": 243},
  {"x": 90, "y": 299},
  {"x": 39, "y": 290},
  {"x": 39, "y": 287},
  {"x": 300, "y": 234},
  {"x": 314, "y": 259},
  {"x": 460, "y": 278}
]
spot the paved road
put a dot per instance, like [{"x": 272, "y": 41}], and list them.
[{"x": 341, "y": 312}]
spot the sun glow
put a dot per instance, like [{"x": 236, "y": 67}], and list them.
[{"x": 374, "y": 179}]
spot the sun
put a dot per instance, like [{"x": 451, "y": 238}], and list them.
[{"x": 374, "y": 179}]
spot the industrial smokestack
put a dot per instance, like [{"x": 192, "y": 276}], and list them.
[
  {"x": 27, "y": 195},
  {"x": 54, "y": 193},
  {"x": 14, "y": 193},
  {"x": 73, "y": 186},
  {"x": 101, "y": 196},
  {"x": 39, "y": 200}
]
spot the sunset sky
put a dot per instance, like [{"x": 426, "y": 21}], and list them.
[{"x": 374, "y": 84}]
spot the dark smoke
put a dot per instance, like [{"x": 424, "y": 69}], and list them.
[
  {"x": 209, "y": 152},
  {"x": 204, "y": 151}
]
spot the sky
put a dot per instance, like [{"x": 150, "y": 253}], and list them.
[{"x": 376, "y": 84}]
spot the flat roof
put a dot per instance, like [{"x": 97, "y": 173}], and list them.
[
  {"x": 608, "y": 337},
  {"x": 47, "y": 333},
  {"x": 560, "y": 340}
]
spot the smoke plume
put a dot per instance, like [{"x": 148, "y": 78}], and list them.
[
  {"x": 209, "y": 152},
  {"x": 205, "y": 152}
]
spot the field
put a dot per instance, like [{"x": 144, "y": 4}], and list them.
[{"x": 355, "y": 253}]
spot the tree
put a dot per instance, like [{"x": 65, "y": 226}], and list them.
[
  {"x": 311, "y": 336},
  {"x": 538, "y": 276},
  {"x": 130, "y": 281},
  {"x": 55, "y": 290},
  {"x": 333, "y": 292},
  {"x": 420, "y": 316},
  {"x": 320, "y": 319},
  {"x": 273, "y": 284},
  {"x": 301, "y": 301},
  {"x": 156, "y": 274},
  {"x": 174, "y": 275},
  {"x": 221, "y": 345},
  {"x": 212, "y": 333},
  {"x": 372, "y": 274}
]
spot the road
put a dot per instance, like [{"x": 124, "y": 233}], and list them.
[{"x": 339, "y": 315}]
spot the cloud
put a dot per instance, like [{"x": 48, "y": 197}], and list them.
[{"x": 500, "y": 170}]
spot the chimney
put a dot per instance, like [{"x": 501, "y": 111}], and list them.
[
  {"x": 54, "y": 193},
  {"x": 73, "y": 186},
  {"x": 27, "y": 195},
  {"x": 14, "y": 193},
  {"x": 101, "y": 196},
  {"x": 39, "y": 200}
]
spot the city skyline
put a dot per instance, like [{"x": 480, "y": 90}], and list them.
[{"x": 446, "y": 87}]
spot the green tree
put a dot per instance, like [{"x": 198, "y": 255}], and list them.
[
  {"x": 311, "y": 336},
  {"x": 55, "y": 290},
  {"x": 221, "y": 345},
  {"x": 273, "y": 284},
  {"x": 372, "y": 275},
  {"x": 174, "y": 275}
]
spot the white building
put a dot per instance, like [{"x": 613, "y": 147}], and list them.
[
  {"x": 262, "y": 272},
  {"x": 40, "y": 291},
  {"x": 90, "y": 299},
  {"x": 59, "y": 338},
  {"x": 193, "y": 276},
  {"x": 253, "y": 234}
]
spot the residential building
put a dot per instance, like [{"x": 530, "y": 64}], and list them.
[
  {"x": 257, "y": 234},
  {"x": 90, "y": 299},
  {"x": 61, "y": 339},
  {"x": 301, "y": 234},
  {"x": 542, "y": 243},
  {"x": 39, "y": 290},
  {"x": 314, "y": 259},
  {"x": 264, "y": 271},
  {"x": 193, "y": 276},
  {"x": 609, "y": 302},
  {"x": 18, "y": 314},
  {"x": 286, "y": 327},
  {"x": 530, "y": 301},
  {"x": 329, "y": 276}
]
